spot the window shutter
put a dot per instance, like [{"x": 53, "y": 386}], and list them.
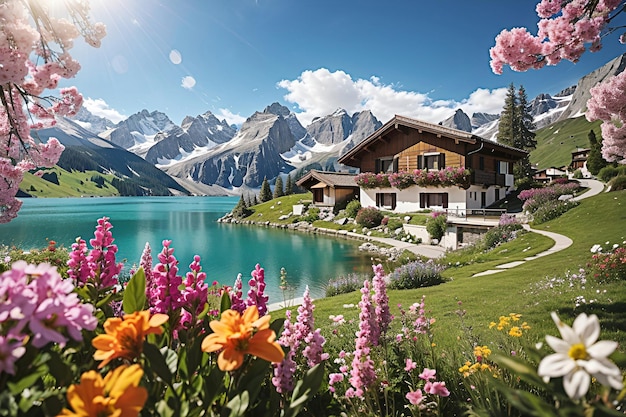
[
  {"x": 442, "y": 160},
  {"x": 378, "y": 199},
  {"x": 444, "y": 198},
  {"x": 377, "y": 167},
  {"x": 395, "y": 164},
  {"x": 393, "y": 201},
  {"x": 420, "y": 161},
  {"x": 422, "y": 200}
]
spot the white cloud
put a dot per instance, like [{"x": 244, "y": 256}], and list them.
[
  {"x": 188, "y": 82},
  {"x": 231, "y": 118},
  {"x": 99, "y": 107},
  {"x": 175, "y": 57},
  {"x": 320, "y": 92}
]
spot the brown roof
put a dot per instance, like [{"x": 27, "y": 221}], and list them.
[
  {"x": 448, "y": 132},
  {"x": 332, "y": 179}
]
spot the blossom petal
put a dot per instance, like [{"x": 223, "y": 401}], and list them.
[
  {"x": 230, "y": 359},
  {"x": 559, "y": 346},
  {"x": 264, "y": 346},
  {"x": 122, "y": 377},
  {"x": 555, "y": 365},
  {"x": 587, "y": 328},
  {"x": 213, "y": 343},
  {"x": 131, "y": 401},
  {"x": 602, "y": 367},
  {"x": 251, "y": 314},
  {"x": 576, "y": 384},
  {"x": 602, "y": 349},
  {"x": 567, "y": 334}
]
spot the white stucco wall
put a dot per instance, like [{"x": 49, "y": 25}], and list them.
[{"x": 408, "y": 200}]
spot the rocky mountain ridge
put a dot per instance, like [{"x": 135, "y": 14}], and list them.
[{"x": 273, "y": 142}]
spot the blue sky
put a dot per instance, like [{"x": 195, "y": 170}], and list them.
[{"x": 423, "y": 59}]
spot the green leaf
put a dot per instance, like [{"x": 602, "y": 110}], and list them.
[
  {"x": 305, "y": 389},
  {"x": 59, "y": 369},
  {"x": 157, "y": 362},
  {"x": 519, "y": 368},
  {"x": 225, "y": 302},
  {"x": 238, "y": 405},
  {"x": 135, "y": 293},
  {"x": 214, "y": 385}
]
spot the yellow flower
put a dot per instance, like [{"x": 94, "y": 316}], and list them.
[
  {"x": 515, "y": 316},
  {"x": 515, "y": 331},
  {"x": 124, "y": 337},
  {"x": 118, "y": 394},
  {"x": 236, "y": 334}
]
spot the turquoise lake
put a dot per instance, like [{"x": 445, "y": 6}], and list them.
[{"x": 191, "y": 224}]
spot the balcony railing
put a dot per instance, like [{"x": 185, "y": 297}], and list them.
[{"x": 488, "y": 178}]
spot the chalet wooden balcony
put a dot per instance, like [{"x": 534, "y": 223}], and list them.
[{"x": 487, "y": 178}]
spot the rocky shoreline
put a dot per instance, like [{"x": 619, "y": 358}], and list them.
[{"x": 388, "y": 250}]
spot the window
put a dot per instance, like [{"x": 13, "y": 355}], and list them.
[
  {"x": 433, "y": 199},
  {"x": 387, "y": 164},
  {"x": 503, "y": 167},
  {"x": 386, "y": 200},
  {"x": 497, "y": 194},
  {"x": 430, "y": 161}
]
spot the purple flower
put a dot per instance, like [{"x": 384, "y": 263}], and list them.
[
  {"x": 236, "y": 296},
  {"x": 10, "y": 351},
  {"x": 381, "y": 302}
]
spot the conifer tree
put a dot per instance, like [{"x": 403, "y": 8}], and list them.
[
  {"x": 266, "y": 193},
  {"x": 506, "y": 127},
  {"x": 525, "y": 137},
  {"x": 278, "y": 187},
  {"x": 241, "y": 209},
  {"x": 289, "y": 185},
  {"x": 595, "y": 162},
  {"x": 516, "y": 128}
]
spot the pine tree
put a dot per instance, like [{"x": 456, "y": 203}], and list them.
[
  {"x": 278, "y": 187},
  {"x": 516, "y": 128},
  {"x": 241, "y": 209},
  {"x": 289, "y": 185},
  {"x": 266, "y": 193},
  {"x": 525, "y": 137},
  {"x": 506, "y": 128},
  {"x": 595, "y": 162}
]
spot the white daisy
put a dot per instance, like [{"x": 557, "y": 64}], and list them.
[{"x": 579, "y": 356}]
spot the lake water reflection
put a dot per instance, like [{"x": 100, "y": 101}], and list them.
[{"x": 190, "y": 223}]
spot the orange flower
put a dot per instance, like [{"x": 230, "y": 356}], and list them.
[
  {"x": 118, "y": 394},
  {"x": 236, "y": 334},
  {"x": 124, "y": 338}
]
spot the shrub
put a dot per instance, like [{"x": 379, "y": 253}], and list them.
[
  {"x": 369, "y": 217},
  {"x": 345, "y": 284},
  {"x": 500, "y": 234},
  {"x": 551, "y": 210},
  {"x": 311, "y": 215},
  {"x": 436, "y": 225},
  {"x": 353, "y": 208},
  {"x": 608, "y": 266},
  {"x": 578, "y": 174},
  {"x": 394, "y": 223},
  {"x": 610, "y": 171},
  {"x": 416, "y": 274},
  {"x": 618, "y": 183}
]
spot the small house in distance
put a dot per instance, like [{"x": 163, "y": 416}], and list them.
[
  {"x": 579, "y": 158},
  {"x": 330, "y": 189},
  {"x": 409, "y": 165},
  {"x": 548, "y": 175}
]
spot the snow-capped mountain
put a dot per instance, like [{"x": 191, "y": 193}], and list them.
[
  {"x": 273, "y": 142},
  {"x": 195, "y": 137},
  {"x": 138, "y": 132}
]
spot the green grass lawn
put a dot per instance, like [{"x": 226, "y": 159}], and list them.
[
  {"x": 71, "y": 184},
  {"x": 533, "y": 289}
]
